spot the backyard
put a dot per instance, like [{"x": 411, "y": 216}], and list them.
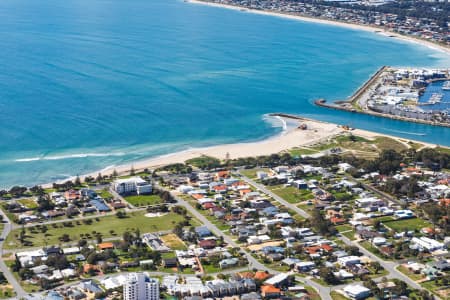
[
  {"x": 415, "y": 224},
  {"x": 173, "y": 242},
  {"x": 28, "y": 203},
  {"x": 347, "y": 231},
  {"x": 291, "y": 194},
  {"x": 251, "y": 173}
]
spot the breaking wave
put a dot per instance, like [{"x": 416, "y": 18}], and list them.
[{"x": 69, "y": 156}]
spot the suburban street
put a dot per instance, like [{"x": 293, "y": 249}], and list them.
[
  {"x": 20, "y": 292},
  {"x": 387, "y": 265},
  {"x": 323, "y": 291}
]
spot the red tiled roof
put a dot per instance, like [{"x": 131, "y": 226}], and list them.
[
  {"x": 327, "y": 247},
  {"x": 261, "y": 275},
  {"x": 223, "y": 173},
  {"x": 313, "y": 249},
  {"x": 207, "y": 243},
  {"x": 106, "y": 245},
  {"x": 208, "y": 205},
  {"x": 220, "y": 188},
  {"x": 269, "y": 289},
  {"x": 336, "y": 220},
  {"x": 244, "y": 191}
]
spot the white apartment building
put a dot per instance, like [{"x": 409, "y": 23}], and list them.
[
  {"x": 139, "y": 287},
  {"x": 132, "y": 185}
]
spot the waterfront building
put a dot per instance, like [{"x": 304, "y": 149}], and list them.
[
  {"x": 139, "y": 287},
  {"x": 132, "y": 185}
]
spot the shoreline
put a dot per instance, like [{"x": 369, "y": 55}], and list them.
[
  {"x": 288, "y": 138},
  {"x": 316, "y": 132},
  {"x": 368, "y": 28}
]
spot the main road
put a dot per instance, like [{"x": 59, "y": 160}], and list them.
[{"x": 7, "y": 227}]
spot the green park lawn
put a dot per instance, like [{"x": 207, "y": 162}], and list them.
[
  {"x": 104, "y": 225},
  {"x": 105, "y": 194},
  {"x": 406, "y": 224},
  {"x": 28, "y": 203},
  {"x": 251, "y": 173},
  {"x": 6, "y": 291},
  {"x": 371, "y": 248},
  {"x": 336, "y": 296},
  {"x": 387, "y": 143},
  {"x": 297, "y": 152},
  {"x": 409, "y": 273},
  {"x": 291, "y": 194},
  {"x": 347, "y": 231},
  {"x": 312, "y": 293},
  {"x": 143, "y": 200},
  {"x": 203, "y": 161}
]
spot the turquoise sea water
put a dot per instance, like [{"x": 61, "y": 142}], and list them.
[{"x": 86, "y": 84}]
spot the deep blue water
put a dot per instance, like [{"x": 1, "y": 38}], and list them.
[{"x": 86, "y": 84}]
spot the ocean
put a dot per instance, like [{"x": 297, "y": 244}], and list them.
[{"x": 87, "y": 84}]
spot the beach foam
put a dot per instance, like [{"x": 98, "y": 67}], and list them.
[{"x": 69, "y": 156}]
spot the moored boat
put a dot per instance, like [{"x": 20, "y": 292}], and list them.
[{"x": 446, "y": 86}]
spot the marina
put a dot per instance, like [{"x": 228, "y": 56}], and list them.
[{"x": 408, "y": 94}]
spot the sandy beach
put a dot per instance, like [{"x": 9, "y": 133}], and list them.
[
  {"x": 377, "y": 30},
  {"x": 291, "y": 137},
  {"x": 316, "y": 132}
]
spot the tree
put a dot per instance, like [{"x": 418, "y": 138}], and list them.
[
  {"x": 127, "y": 237},
  {"x": 178, "y": 230},
  {"x": 99, "y": 177},
  {"x": 434, "y": 212},
  {"x": 372, "y": 285},
  {"x": 45, "y": 283},
  {"x": 44, "y": 204},
  {"x": 376, "y": 266},
  {"x": 401, "y": 288},
  {"x": 17, "y": 191},
  {"x": 82, "y": 243},
  {"x": 320, "y": 224},
  {"x": 121, "y": 214},
  {"x": 64, "y": 238},
  {"x": 57, "y": 261},
  {"x": 77, "y": 181},
  {"x": 25, "y": 273},
  {"x": 327, "y": 275},
  {"x": 22, "y": 235},
  {"x": 352, "y": 250},
  {"x": 377, "y": 224}
]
